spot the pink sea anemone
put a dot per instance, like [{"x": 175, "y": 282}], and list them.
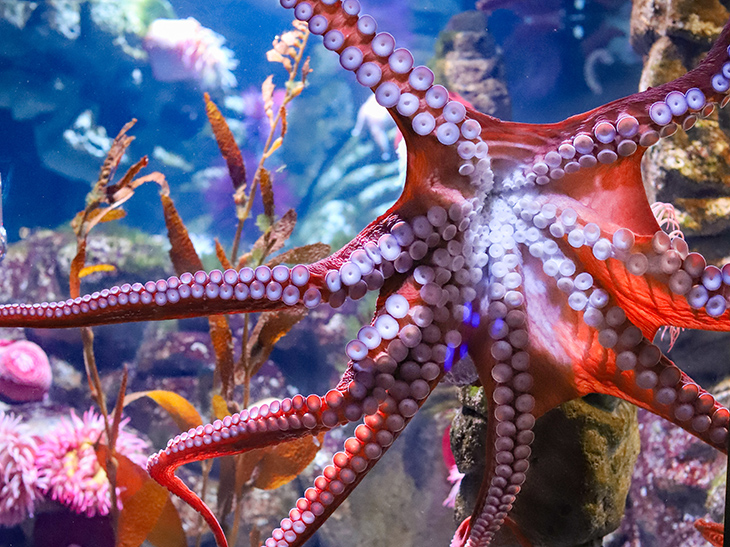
[
  {"x": 25, "y": 373},
  {"x": 455, "y": 476},
  {"x": 69, "y": 467},
  {"x": 183, "y": 49},
  {"x": 20, "y": 485}
]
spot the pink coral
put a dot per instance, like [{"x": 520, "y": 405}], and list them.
[
  {"x": 183, "y": 49},
  {"x": 25, "y": 373},
  {"x": 67, "y": 462},
  {"x": 20, "y": 485}
]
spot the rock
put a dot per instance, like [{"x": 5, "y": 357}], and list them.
[
  {"x": 689, "y": 167},
  {"x": 69, "y": 387},
  {"x": 677, "y": 479},
  {"x": 699, "y": 21},
  {"x": 36, "y": 269},
  {"x": 579, "y": 472},
  {"x": 165, "y": 353},
  {"x": 468, "y": 62},
  {"x": 63, "y": 528}
]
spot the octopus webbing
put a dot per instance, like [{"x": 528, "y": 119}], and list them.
[{"x": 533, "y": 248}]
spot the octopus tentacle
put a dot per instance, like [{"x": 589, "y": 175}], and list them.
[
  {"x": 395, "y": 363},
  {"x": 650, "y": 272},
  {"x": 432, "y": 122},
  {"x": 512, "y": 406},
  {"x": 391, "y": 385},
  {"x": 360, "y": 266},
  {"x": 256, "y": 427},
  {"x": 358, "y": 393},
  {"x": 629, "y": 362},
  {"x": 623, "y": 357},
  {"x": 621, "y": 129},
  {"x": 665, "y": 390},
  {"x": 398, "y": 359}
]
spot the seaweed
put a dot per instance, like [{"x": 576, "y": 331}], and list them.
[
  {"x": 144, "y": 501},
  {"x": 147, "y": 511}
]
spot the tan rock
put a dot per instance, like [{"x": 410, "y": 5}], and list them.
[
  {"x": 696, "y": 21},
  {"x": 579, "y": 475}
]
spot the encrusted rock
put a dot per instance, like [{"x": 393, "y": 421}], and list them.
[
  {"x": 677, "y": 479},
  {"x": 468, "y": 62},
  {"x": 698, "y": 21},
  {"x": 689, "y": 167},
  {"x": 579, "y": 472},
  {"x": 165, "y": 353}
]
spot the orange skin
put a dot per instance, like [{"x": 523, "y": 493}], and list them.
[
  {"x": 711, "y": 531},
  {"x": 566, "y": 358}
]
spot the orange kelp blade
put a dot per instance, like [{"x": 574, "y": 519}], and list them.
[{"x": 711, "y": 531}]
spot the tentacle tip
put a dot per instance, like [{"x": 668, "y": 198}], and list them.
[
  {"x": 713, "y": 532},
  {"x": 461, "y": 534}
]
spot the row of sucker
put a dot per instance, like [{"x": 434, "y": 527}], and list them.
[
  {"x": 279, "y": 283},
  {"x": 399, "y": 358},
  {"x": 623, "y": 134},
  {"x": 365, "y": 269},
  {"x": 705, "y": 286},
  {"x": 513, "y": 403},
  {"x": 389, "y": 72},
  {"x": 388, "y": 386},
  {"x": 688, "y": 403},
  {"x": 683, "y": 108}
]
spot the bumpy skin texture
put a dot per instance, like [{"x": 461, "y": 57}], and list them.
[{"x": 531, "y": 247}]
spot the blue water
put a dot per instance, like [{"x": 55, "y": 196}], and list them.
[{"x": 49, "y": 80}]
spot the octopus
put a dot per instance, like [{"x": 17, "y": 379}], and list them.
[{"x": 530, "y": 249}]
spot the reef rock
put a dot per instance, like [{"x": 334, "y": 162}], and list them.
[
  {"x": 698, "y": 21},
  {"x": 673, "y": 36},
  {"x": 468, "y": 62},
  {"x": 579, "y": 472},
  {"x": 165, "y": 353},
  {"x": 25, "y": 372},
  {"x": 677, "y": 479},
  {"x": 37, "y": 269}
]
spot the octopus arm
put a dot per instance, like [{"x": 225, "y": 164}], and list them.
[
  {"x": 380, "y": 384},
  {"x": 350, "y": 272},
  {"x": 668, "y": 392}
]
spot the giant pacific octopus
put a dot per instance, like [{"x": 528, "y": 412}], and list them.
[{"x": 532, "y": 248}]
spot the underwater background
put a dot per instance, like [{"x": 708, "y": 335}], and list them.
[{"x": 73, "y": 73}]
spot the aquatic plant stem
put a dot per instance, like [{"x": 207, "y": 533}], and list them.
[
  {"x": 206, "y": 467},
  {"x": 97, "y": 393},
  {"x": 238, "y": 496},
  {"x": 233, "y": 533},
  {"x": 291, "y": 93}
]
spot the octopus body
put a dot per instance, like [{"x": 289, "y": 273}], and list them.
[{"x": 532, "y": 248}]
